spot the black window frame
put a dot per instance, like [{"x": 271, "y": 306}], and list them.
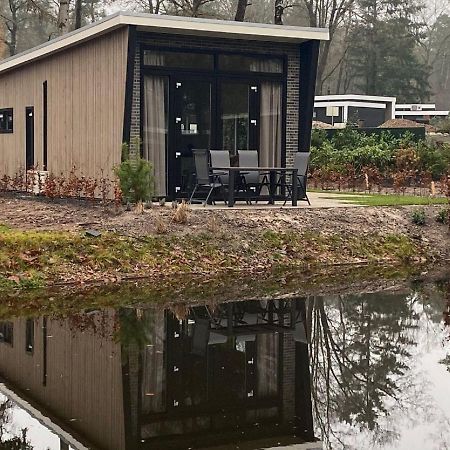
[
  {"x": 216, "y": 53},
  {"x": 29, "y": 336},
  {"x": 171, "y": 50},
  {"x": 255, "y": 57},
  {"x": 7, "y": 112}
]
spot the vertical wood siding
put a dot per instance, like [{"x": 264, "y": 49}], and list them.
[
  {"x": 84, "y": 390},
  {"x": 86, "y": 98}
]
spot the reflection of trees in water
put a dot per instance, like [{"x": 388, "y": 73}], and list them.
[
  {"x": 446, "y": 316},
  {"x": 358, "y": 348},
  {"x": 14, "y": 443}
]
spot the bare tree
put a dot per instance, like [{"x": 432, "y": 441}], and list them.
[
  {"x": 279, "y": 11},
  {"x": 240, "y": 10},
  {"x": 147, "y": 6},
  {"x": 12, "y": 20},
  {"x": 327, "y": 14},
  {"x": 191, "y": 8},
  {"x": 78, "y": 13},
  {"x": 63, "y": 17}
]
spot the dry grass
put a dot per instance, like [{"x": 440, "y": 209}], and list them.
[
  {"x": 161, "y": 226},
  {"x": 213, "y": 225},
  {"x": 182, "y": 212}
]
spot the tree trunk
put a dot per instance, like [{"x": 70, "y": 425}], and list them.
[
  {"x": 63, "y": 17},
  {"x": 322, "y": 64},
  {"x": 12, "y": 28},
  {"x": 240, "y": 10},
  {"x": 78, "y": 11},
  {"x": 279, "y": 10}
]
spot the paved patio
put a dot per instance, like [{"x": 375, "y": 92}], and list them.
[{"x": 317, "y": 199}]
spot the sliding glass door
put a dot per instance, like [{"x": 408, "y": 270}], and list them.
[
  {"x": 197, "y": 101},
  {"x": 192, "y": 130},
  {"x": 250, "y": 118}
]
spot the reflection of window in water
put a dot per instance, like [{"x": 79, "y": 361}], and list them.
[{"x": 6, "y": 332}]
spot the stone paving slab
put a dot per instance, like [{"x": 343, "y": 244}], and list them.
[{"x": 317, "y": 199}]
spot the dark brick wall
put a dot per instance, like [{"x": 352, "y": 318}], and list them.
[{"x": 187, "y": 42}]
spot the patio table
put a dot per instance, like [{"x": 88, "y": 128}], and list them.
[{"x": 273, "y": 171}]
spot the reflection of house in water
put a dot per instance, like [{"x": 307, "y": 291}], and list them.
[{"x": 137, "y": 379}]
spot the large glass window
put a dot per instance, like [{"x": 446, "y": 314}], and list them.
[
  {"x": 184, "y": 60},
  {"x": 6, "y": 120},
  {"x": 235, "y": 116},
  {"x": 242, "y": 63}
]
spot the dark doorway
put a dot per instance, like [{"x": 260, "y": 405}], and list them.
[{"x": 29, "y": 139}]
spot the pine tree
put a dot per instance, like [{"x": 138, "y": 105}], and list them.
[{"x": 383, "y": 50}]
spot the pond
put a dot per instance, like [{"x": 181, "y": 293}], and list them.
[{"x": 346, "y": 371}]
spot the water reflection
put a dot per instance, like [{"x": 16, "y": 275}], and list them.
[
  {"x": 358, "y": 371},
  {"x": 233, "y": 374},
  {"x": 378, "y": 379}
]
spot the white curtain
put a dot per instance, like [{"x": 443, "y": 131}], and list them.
[
  {"x": 267, "y": 364},
  {"x": 155, "y": 129},
  {"x": 153, "y": 379},
  {"x": 266, "y": 65},
  {"x": 270, "y": 125},
  {"x": 152, "y": 58}
]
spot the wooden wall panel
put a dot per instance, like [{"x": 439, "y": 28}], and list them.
[
  {"x": 84, "y": 377},
  {"x": 86, "y": 99}
]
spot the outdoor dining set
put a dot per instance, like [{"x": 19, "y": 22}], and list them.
[{"x": 230, "y": 179}]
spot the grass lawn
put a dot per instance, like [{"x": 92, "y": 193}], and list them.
[{"x": 387, "y": 199}]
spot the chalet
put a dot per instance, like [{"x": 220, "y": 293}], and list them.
[
  {"x": 176, "y": 84},
  {"x": 364, "y": 110}
]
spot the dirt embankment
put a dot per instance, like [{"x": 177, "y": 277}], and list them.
[{"x": 44, "y": 242}]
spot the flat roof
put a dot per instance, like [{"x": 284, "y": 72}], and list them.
[
  {"x": 226, "y": 29},
  {"x": 354, "y": 97},
  {"x": 360, "y": 104}
]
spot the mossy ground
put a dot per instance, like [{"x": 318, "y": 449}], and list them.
[{"x": 41, "y": 258}]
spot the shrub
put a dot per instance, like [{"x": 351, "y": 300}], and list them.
[
  {"x": 443, "y": 215},
  {"x": 135, "y": 177},
  {"x": 418, "y": 217},
  {"x": 318, "y": 137},
  {"x": 442, "y": 125},
  {"x": 392, "y": 158}
]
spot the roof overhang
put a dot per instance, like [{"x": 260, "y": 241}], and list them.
[{"x": 169, "y": 25}]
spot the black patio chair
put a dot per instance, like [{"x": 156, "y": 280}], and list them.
[
  {"x": 253, "y": 181},
  {"x": 205, "y": 178},
  {"x": 301, "y": 162},
  {"x": 221, "y": 158}
]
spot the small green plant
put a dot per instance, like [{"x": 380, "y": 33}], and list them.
[
  {"x": 442, "y": 216},
  {"x": 419, "y": 217},
  {"x": 135, "y": 176}
]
